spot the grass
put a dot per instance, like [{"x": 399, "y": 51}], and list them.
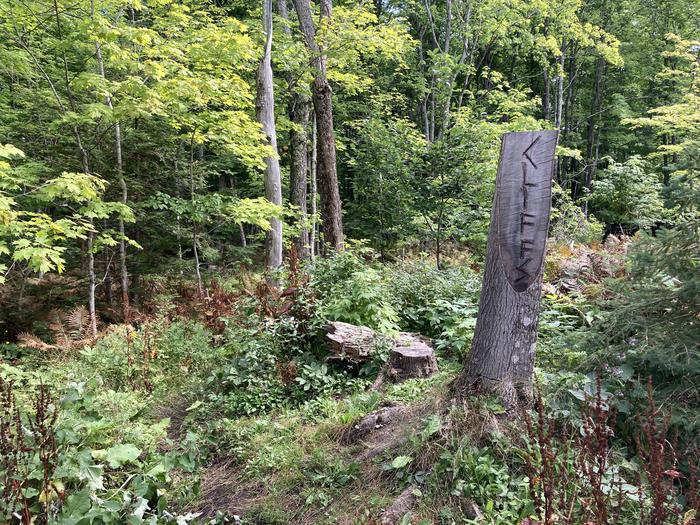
[{"x": 290, "y": 468}]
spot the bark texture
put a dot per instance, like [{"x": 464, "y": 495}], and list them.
[
  {"x": 393, "y": 515},
  {"x": 265, "y": 109},
  {"x": 371, "y": 422},
  {"x": 351, "y": 342},
  {"x": 298, "y": 108},
  {"x": 503, "y": 349},
  {"x": 326, "y": 173}
]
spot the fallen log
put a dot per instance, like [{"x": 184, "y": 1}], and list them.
[
  {"x": 394, "y": 514},
  {"x": 369, "y": 423}
]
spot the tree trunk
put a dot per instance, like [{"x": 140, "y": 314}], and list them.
[
  {"x": 107, "y": 281},
  {"x": 567, "y": 162},
  {"x": 197, "y": 264},
  {"x": 327, "y": 176},
  {"x": 92, "y": 283},
  {"x": 298, "y": 108},
  {"x": 241, "y": 231},
  {"x": 265, "y": 109},
  {"x": 560, "y": 91},
  {"x": 313, "y": 197},
  {"x": 123, "y": 270},
  {"x": 591, "y": 149},
  {"x": 546, "y": 106},
  {"x": 503, "y": 349}
]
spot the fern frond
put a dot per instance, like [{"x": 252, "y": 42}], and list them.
[
  {"x": 78, "y": 320},
  {"x": 27, "y": 340}
]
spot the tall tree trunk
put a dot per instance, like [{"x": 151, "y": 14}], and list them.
[
  {"x": 593, "y": 117},
  {"x": 326, "y": 174},
  {"x": 560, "y": 91},
  {"x": 123, "y": 270},
  {"x": 197, "y": 264},
  {"x": 92, "y": 282},
  {"x": 84, "y": 158},
  {"x": 501, "y": 361},
  {"x": 265, "y": 109},
  {"x": 298, "y": 109},
  {"x": 313, "y": 196},
  {"x": 241, "y": 231},
  {"x": 107, "y": 281},
  {"x": 195, "y": 240},
  {"x": 567, "y": 162},
  {"x": 546, "y": 104}
]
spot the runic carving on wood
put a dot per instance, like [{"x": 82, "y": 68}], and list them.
[{"x": 523, "y": 199}]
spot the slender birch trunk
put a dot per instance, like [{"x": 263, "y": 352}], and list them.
[
  {"x": 312, "y": 172},
  {"x": 265, "y": 109},
  {"x": 123, "y": 270}
]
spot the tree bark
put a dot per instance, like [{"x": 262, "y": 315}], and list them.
[
  {"x": 326, "y": 173},
  {"x": 411, "y": 357},
  {"x": 546, "y": 105},
  {"x": 92, "y": 282},
  {"x": 314, "y": 193},
  {"x": 503, "y": 349},
  {"x": 560, "y": 90},
  {"x": 265, "y": 109},
  {"x": 298, "y": 108},
  {"x": 107, "y": 280}
]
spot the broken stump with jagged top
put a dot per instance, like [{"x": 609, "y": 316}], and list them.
[{"x": 411, "y": 355}]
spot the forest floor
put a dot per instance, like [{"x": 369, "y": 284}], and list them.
[{"x": 223, "y": 410}]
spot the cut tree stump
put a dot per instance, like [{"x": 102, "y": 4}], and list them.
[
  {"x": 350, "y": 342},
  {"x": 412, "y": 355}
]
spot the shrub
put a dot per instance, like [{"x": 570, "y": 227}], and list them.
[
  {"x": 62, "y": 461},
  {"x": 441, "y": 304},
  {"x": 159, "y": 355},
  {"x": 568, "y": 222},
  {"x": 261, "y": 372},
  {"x": 629, "y": 194},
  {"x": 349, "y": 290}
]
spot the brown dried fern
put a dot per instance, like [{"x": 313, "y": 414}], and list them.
[{"x": 27, "y": 340}]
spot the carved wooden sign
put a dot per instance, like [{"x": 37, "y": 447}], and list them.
[{"x": 523, "y": 197}]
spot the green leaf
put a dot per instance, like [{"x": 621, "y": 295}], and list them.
[
  {"x": 117, "y": 455},
  {"x": 401, "y": 461},
  {"x": 432, "y": 426}
]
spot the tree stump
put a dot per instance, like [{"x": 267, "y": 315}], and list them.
[
  {"x": 411, "y": 357},
  {"x": 350, "y": 342}
]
